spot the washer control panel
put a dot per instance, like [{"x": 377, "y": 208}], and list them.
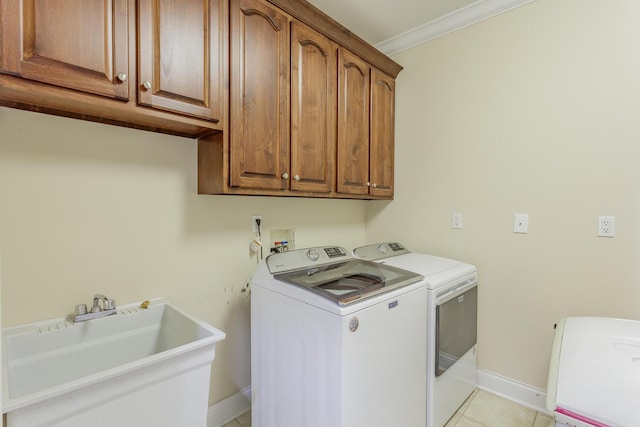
[{"x": 304, "y": 258}]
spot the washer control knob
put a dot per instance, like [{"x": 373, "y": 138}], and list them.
[
  {"x": 313, "y": 255},
  {"x": 383, "y": 249}
]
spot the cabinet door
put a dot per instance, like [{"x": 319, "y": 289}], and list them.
[
  {"x": 382, "y": 134},
  {"x": 75, "y": 44},
  {"x": 259, "y": 96},
  {"x": 353, "y": 124},
  {"x": 313, "y": 110},
  {"x": 179, "y": 56}
]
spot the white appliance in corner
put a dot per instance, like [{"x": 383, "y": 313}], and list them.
[
  {"x": 594, "y": 372},
  {"x": 452, "y": 309},
  {"x": 336, "y": 342}
]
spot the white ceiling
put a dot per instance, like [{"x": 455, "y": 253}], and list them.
[{"x": 396, "y": 25}]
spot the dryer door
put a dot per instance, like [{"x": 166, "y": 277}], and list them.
[{"x": 456, "y": 326}]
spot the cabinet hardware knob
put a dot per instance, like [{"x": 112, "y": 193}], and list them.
[
  {"x": 296, "y": 177},
  {"x": 146, "y": 84},
  {"x": 122, "y": 77},
  {"x": 285, "y": 176},
  {"x": 368, "y": 184},
  {"x": 375, "y": 185}
]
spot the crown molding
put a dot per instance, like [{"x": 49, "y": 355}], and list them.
[{"x": 461, "y": 18}]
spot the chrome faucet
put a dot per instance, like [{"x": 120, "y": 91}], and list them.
[{"x": 101, "y": 307}]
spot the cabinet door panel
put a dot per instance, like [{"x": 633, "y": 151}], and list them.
[
  {"x": 259, "y": 96},
  {"x": 179, "y": 56},
  {"x": 313, "y": 110},
  {"x": 353, "y": 124},
  {"x": 80, "y": 45},
  {"x": 382, "y": 133}
]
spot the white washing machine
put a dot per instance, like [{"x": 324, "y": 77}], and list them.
[
  {"x": 336, "y": 342},
  {"x": 452, "y": 309}
]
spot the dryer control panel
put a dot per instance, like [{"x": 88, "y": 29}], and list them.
[{"x": 380, "y": 251}]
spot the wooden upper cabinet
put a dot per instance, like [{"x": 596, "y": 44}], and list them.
[
  {"x": 353, "y": 124},
  {"x": 382, "y": 133},
  {"x": 259, "y": 96},
  {"x": 81, "y": 45},
  {"x": 313, "y": 110},
  {"x": 179, "y": 56}
]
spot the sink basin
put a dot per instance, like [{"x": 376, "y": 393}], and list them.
[{"x": 139, "y": 367}]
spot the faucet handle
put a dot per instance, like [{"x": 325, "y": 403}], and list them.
[
  {"x": 100, "y": 302},
  {"x": 110, "y": 304},
  {"x": 81, "y": 309}
]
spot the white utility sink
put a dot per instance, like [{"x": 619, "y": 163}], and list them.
[{"x": 139, "y": 367}]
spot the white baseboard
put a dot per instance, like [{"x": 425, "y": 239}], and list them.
[
  {"x": 227, "y": 409},
  {"x": 515, "y": 391}
]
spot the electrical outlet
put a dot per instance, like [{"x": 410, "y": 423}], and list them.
[
  {"x": 254, "y": 223},
  {"x": 521, "y": 223},
  {"x": 456, "y": 220},
  {"x": 606, "y": 226}
]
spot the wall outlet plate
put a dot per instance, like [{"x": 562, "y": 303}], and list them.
[
  {"x": 456, "y": 220},
  {"x": 606, "y": 226}
]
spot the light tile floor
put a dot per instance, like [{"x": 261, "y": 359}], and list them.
[
  {"x": 481, "y": 409},
  {"x": 243, "y": 420}
]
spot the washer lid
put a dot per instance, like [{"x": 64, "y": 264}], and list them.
[{"x": 344, "y": 281}]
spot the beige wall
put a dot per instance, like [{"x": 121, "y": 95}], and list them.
[
  {"x": 88, "y": 208},
  {"x": 535, "y": 111}
]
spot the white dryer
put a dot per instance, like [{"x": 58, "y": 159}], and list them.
[
  {"x": 452, "y": 308},
  {"x": 336, "y": 342}
]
